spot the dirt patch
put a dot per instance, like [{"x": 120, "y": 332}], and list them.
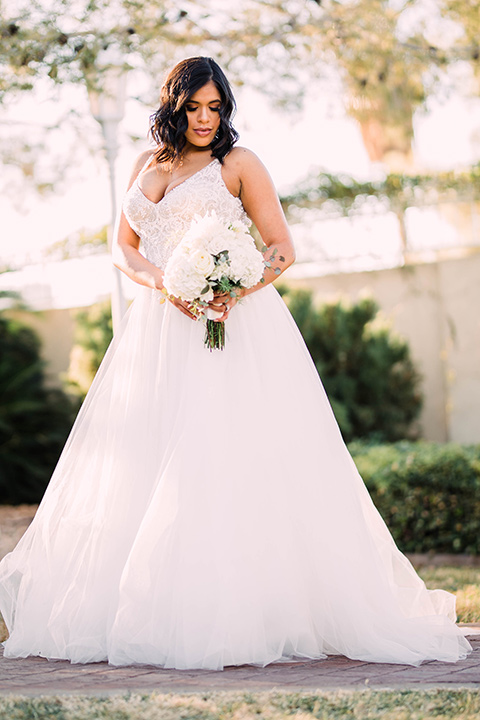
[{"x": 14, "y": 520}]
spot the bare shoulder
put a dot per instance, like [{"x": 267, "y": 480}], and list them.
[
  {"x": 244, "y": 171},
  {"x": 242, "y": 159},
  {"x": 142, "y": 159},
  {"x": 141, "y": 163}
]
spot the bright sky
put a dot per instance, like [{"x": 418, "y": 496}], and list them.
[{"x": 290, "y": 145}]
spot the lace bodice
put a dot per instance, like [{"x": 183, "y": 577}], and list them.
[{"x": 162, "y": 225}]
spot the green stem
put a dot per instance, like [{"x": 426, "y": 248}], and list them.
[{"x": 215, "y": 335}]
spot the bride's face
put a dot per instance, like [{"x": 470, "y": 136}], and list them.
[{"x": 203, "y": 115}]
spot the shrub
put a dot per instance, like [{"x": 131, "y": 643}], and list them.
[
  {"x": 366, "y": 369},
  {"x": 428, "y": 494},
  {"x": 93, "y": 333},
  {"x": 34, "y": 419}
]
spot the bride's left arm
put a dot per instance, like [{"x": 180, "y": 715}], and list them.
[
  {"x": 260, "y": 200},
  {"x": 247, "y": 174}
]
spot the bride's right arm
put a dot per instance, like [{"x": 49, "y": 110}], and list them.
[
  {"x": 125, "y": 248},
  {"x": 127, "y": 257}
]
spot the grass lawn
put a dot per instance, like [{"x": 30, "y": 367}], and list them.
[
  {"x": 272, "y": 705},
  {"x": 463, "y": 581}
]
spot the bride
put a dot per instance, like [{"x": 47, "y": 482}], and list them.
[{"x": 205, "y": 511}]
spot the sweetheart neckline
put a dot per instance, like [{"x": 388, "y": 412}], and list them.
[{"x": 235, "y": 197}]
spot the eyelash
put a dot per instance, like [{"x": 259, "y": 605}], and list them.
[{"x": 192, "y": 109}]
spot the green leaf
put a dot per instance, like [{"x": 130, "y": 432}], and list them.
[
  {"x": 277, "y": 271},
  {"x": 264, "y": 249},
  {"x": 262, "y": 280},
  {"x": 268, "y": 264},
  {"x": 205, "y": 289}
]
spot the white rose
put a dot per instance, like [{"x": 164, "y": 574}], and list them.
[
  {"x": 202, "y": 262},
  {"x": 219, "y": 241}
]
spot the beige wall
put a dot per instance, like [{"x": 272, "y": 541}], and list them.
[
  {"x": 436, "y": 307},
  {"x": 56, "y": 330}
]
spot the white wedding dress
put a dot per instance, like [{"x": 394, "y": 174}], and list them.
[{"x": 205, "y": 511}]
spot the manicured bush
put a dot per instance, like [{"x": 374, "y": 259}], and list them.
[
  {"x": 427, "y": 493},
  {"x": 34, "y": 419},
  {"x": 93, "y": 334},
  {"x": 366, "y": 368}
]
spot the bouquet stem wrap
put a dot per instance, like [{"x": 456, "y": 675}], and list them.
[{"x": 214, "y": 335}]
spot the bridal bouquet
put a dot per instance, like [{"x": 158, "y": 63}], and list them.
[{"x": 213, "y": 257}]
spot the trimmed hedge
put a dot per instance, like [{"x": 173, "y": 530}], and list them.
[
  {"x": 365, "y": 367},
  {"x": 34, "y": 419},
  {"x": 428, "y": 494}
]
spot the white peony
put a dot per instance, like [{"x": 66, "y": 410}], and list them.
[
  {"x": 246, "y": 263},
  {"x": 212, "y": 234},
  {"x": 203, "y": 230},
  {"x": 181, "y": 279}
]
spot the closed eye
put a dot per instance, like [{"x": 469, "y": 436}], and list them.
[{"x": 191, "y": 108}]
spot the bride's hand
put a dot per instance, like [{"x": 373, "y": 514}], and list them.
[
  {"x": 183, "y": 306},
  {"x": 223, "y": 303}
]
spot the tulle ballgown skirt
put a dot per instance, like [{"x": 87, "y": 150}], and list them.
[{"x": 205, "y": 512}]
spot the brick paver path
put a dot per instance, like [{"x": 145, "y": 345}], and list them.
[{"x": 37, "y": 676}]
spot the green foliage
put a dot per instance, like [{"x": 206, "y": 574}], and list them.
[
  {"x": 93, "y": 333},
  {"x": 344, "y": 195},
  {"x": 79, "y": 244},
  {"x": 94, "y": 330},
  {"x": 467, "y": 17},
  {"x": 385, "y": 83},
  {"x": 388, "y": 66},
  {"x": 367, "y": 371},
  {"x": 385, "y": 65},
  {"x": 34, "y": 420},
  {"x": 428, "y": 494}
]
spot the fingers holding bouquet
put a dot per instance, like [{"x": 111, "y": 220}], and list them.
[
  {"x": 223, "y": 303},
  {"x": 221, "y": 306},
  {"x": 187, "y": 308}
]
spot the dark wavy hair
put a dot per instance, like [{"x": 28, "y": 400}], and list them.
[{"x": 169, "y": 123}]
